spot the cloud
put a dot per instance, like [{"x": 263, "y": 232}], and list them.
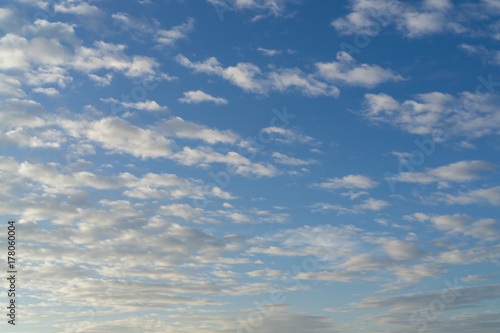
[
  {"x": 481, "y": 196},
  {"x": 349, "y": 182},
  {"x": 323, "y": 207},
  {"x": 148, "y": 186},
  {"x": 335, "y": 276},
  {"x": 354, "y": 195},
  {"x": 21, "y": 113},
  {"x": 81, "y": 8},
  {"x": 288, "y": 160},
  {"x": 199, "y": 96},
  {"x": 408, "y": 303},
  {"x": 288, "y": 136},
  {"x": 266, "y": 273},
  {"x": 129, "y": 23},
  {"x": 46, "y": 91},
  {"x": 111, "y": 56},
  {"x": 55, "y": 49},
  {"x": 147, "y": 105},
  {"x": 474, "y": 278},
  {"x": 122, "y": 137},
  {"x": 150, "y": 28},
  {"x": 463, "y": 171},
  {"x": 183, "y": 211},
  {"x": 101, "y": 80},
  {"x": 18, "y": 53},
  {"x": 43, "y": 139},
  {"x": 467, "y": 115},
  {"x": 412, "y": 19},
  {"x": 490, "y": 56},
  {"x": 269, "y": 53},
  {"x": 169, "y": 37},
  {"x": 251, "y": 78},
  {"x": 368, "y": 204},
  {"x": 265, "y": 8},
  {"x": 10, "y": 86},
  {"x": 203, "y": 156},
  {"x": 180, "y": 128},
  {"x": 372, "y": 204},
  {"x": 484, "y": 229},
  {"x": 347, "y": 71},
  {"x": 401, "y": 250}
]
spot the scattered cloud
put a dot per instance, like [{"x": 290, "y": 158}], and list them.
[
  {"x": 77, "y": 8},
  {"x": 412, "y": 19},
  {"x": 469, "y": 115},
  {"x": 169, "y": 37},
  {"x": 251, "y": 78},
  {"x": 147, "y": 105},
  {"x": 347, "y": 71},
  {"x": 198, "y": 96},
  {"x": 288, "y": 136},
  {"x": 489, "y": 195},
  {"x": 288, "y": 160},
  {"x": 463, "y": 171},
  {"x": 485, "y": 229},
  {"x": 348, "y": 182}
]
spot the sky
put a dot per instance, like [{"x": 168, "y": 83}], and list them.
[{"x": 256, "y": 166}]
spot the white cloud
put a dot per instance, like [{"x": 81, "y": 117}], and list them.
[
  {"x": 147, "y": 105},
  {"x": 183, "y": 211},
  {"x": 349, "y": 182},
  {"x": 203, "y": 156},
  {"x": 18, "y": 53},
  {"x": 48, "y": 75},
  {"x": 122, "y": 137},
  {"x": 141, "y": 28},
  {"x": 199, "y": 96},
  {"x": 266, "y": 273},
  {"x": 251, "y": 78},
  {"x": 479, "y": 196},
  {"x": 55, "y": 49},
  {"x": 46, "y": 91},
  {"x": 368, "y": 204},
  {"x": 402, "y": 251},
  {"x": 468, "y": 114},
  {"x": 148, "y": 186},
  {"x": 490, "y": 56},
  {"x": 112, "y": 57},
  {"x": 10, "y": 86},
  {"x": 474, "y": 278},
  {"x": 336, "y": 276},
  {"x": 346, "y": 70},
  {"x": 268, "y": 52},
  {"x": 267, "y": 7},
  {"x": 484, "y": 229},
  {"x": 81, "y": 8},
  {"x": 413, "y": 19},
  {"x": 323, "y": 207},
  {"x": 372, "y": 204},
  {"x": 288, "y": 135},
  {"x": 101, "y": 80},
  {"x": 22, "y": 137},
  {"x": 180, "y": 128},
  {"x": 404, "y": 305},
  {"x": 21, "y": 113},
  {"x": 463, "y": 171},
  {"x": 169, "y": 37},
  {"x": 130, "y": 23},
  {"x": 288, "y": 160},
  {"x": 354, "y": 194}
]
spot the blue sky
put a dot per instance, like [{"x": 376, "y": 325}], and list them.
[{"x": 252, "y": 165}]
